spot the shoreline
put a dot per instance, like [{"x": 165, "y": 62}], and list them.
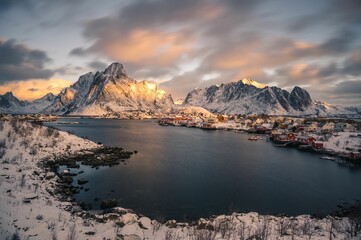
[{"x": 118, "y": 221}]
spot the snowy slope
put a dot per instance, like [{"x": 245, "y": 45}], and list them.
[
  {"x": 249, "y": 97},
  {"x": 10, "y": 104},
  {"x": 29, "y": 208}
]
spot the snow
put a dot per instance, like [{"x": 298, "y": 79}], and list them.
[
  {"x": 343, "y": 142},
  {"x": 253, "y": 83},
  {"x": 28, "y": 207}
]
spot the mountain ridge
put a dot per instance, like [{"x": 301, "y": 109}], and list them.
[
  {"x": 112, "y": 91},
  {"x": 250, "y": 97}
]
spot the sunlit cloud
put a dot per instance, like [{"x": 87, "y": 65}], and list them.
[
  {"x": 146, "y": 47},
  {"x": 33, "y": 89}
]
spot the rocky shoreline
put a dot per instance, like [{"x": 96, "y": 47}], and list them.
[{"x": 65, "y": 189}]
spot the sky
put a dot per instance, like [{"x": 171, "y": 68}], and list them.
[{"x": 45, "y": 45}]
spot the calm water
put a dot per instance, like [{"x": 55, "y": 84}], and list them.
[{"x": 182, "y": 173}]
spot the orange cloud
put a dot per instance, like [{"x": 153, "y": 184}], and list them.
[
  {"x": 149, "y": 47},
  {"x": 33, "y": 89}
]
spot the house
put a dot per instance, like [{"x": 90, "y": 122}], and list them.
[
  {"x": 344, "y": 127},
  {"x": 223, "y": 118},
  {"x": 317, "y": 144},
  {"x": 259, "y": 121},
  {"x": 312, "y": 127},
  {"x": 248, "y": 122},
  {"x": 305, "y": 139},
  {"x": 355, "y": 155},
  {"x": 328, "y": 127},
  {"x": 211, "y": 120}
]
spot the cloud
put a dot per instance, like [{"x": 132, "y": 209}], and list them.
[
  {"x": 97, "y": 65},
  {"x": 146, "y": 47},
  {"x": 79, "y": 51},
  {"x": 352, "y": 65},
  {"x": 343, "y": 14},
  {"x": 349, "y": 87},
  {"x": 35, "y": 88},
  {"x": 18, "y": 62}
]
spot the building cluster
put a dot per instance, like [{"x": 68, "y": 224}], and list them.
[{"x": 306, "y": 133}]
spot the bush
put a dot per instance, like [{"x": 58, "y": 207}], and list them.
[
  {"x": 15, "y": 236},
  {"x": 39, "y": 217}
]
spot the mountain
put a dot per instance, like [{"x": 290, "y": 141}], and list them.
[
  {"x": 10, "y": 104},
  {"x": 249, "y": 97},
  {"x": 109, "y": 92}
]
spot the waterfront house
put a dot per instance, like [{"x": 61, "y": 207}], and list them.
[
  {"x": 317, "y": 144},
  {"x": 211, "y": 120},
  {"x": 355, "y": 155},
  {"x": 304, "y": 139}
]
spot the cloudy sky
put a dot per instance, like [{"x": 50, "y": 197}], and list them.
[{"x": 45, "y": 45}]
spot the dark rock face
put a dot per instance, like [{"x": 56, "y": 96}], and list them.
[{"x": 299, "y": 99}]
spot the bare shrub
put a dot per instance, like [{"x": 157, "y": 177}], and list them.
[
  {"x": 33, "y": 151},
  {"x": 308, "y": 228},
  {"x": 22, "y": 180},
  {"x": 24, "y": 143},
  {"x": 2, "y": 152},
  {"x": 353, "y": 228},
  {"x": 15, "y": 236},
  {"x": 331, "y": 226},
  {"x": 39, "y": 217},
  {"x": 72, "y": 235},
  {"x": 224, "y": 228},
  {"x": 49, "y": 131},
  {"x": 282, "y": 226},
  {"x": 2, "y": 143},
  {"x": 156, "y": 226},
  {"x": 263, "y": 230},
  {"x": 204, "y": 234},
  {"x": 241, "y": 231}
]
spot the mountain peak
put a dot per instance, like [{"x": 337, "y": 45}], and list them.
[
  {"x": 115, "y": 69},
  {"x": 9, "y": 94},
  {"x": 251, "y": 82}
]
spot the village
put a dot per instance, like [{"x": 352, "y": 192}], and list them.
[{"x": 337, "y": 139}]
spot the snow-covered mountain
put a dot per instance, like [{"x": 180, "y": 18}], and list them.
[
  {"x": 249, "y": 97},
  {"x": 10, "y": 104},
  {"x": 108, "y": 92}
]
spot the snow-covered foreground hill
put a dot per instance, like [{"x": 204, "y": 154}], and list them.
[{"x": 30, "y": 210}]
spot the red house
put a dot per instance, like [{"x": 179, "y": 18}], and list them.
[
  {"x": 305, "y": 139},
  {"x": 317, "y": 144},
  {"x": 355, "y": 155}
]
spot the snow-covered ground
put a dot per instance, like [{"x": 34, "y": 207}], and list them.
[
  {"x": 29, "y": 210},
  {"x": 344, "y": 142}
]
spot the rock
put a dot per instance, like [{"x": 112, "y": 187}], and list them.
[
  {"x": 66, "y": 171},
  {"x": 82, "y": 181},
  {"x": 109, "y": 203},
  {"x": 171, "y": 223},
  {"x": 50, "y": 175},
  {"x": 128, "y": 218},
  {"x": 132, "y": 237},
  {"x": 145, "y": 223},
  {"x": 28, "y": 198}
]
